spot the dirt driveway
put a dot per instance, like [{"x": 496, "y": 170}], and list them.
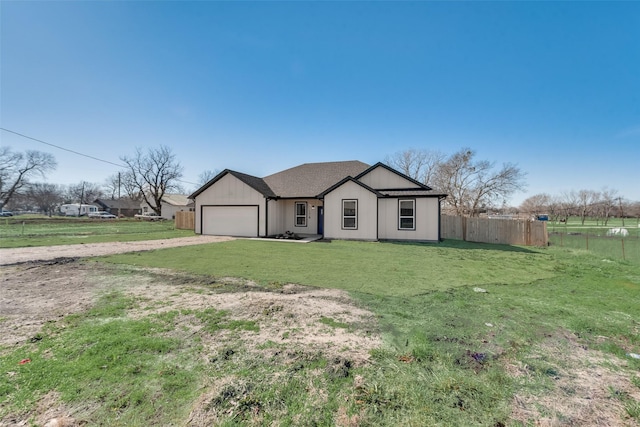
[{"x": 46, "y": 253}]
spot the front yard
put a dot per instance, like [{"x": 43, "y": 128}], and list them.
[{"x": 342, "y": 333}]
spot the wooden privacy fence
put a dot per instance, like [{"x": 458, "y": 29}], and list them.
[
  {"x": 502, "y": 231},
  {"x": 185, "y": 220}
]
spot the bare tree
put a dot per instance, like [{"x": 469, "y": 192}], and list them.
[
  {"x": 420, "y": 165},
  {"x": 83, "y": 192},
  {"x": 608, "y": 203},
  {"x": 121, "y": 185},
  {"x": 474, "y": 185},
  {"x": 587, "y": 200},
  {"x": 16, "y": 169},
  {"x": 154, "y": 173},
  {"x": 46, "y": 197},
  {"x": 536, "y": 204},
  {"x": 207, "y": 175}
]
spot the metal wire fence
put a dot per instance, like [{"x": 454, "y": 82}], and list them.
[{"x": 613, "y": 246}]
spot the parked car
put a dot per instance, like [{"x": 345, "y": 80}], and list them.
[
  {"x": 6, "y": 213},
  {"x": 102, "y": 215},
  {"x": 149, "y": 216}
]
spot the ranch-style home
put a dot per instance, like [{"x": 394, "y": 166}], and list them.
[{"x": 337, "y": 200}]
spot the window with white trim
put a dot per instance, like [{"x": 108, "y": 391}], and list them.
[
  {"x": 301, "y": 214},
  {"x": 406, "y": 214},
  {"x": 349, "y": 214}
]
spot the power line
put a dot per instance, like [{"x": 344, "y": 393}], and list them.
[
  {"x": 78, "y": 153},
  {"x": 64, "y": 149}
]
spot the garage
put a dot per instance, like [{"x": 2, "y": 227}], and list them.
[{"x": 240, "y": 221}]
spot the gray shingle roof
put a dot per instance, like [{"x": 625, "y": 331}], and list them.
[
  {"x": 256, "y": 183},
  {"x": 119, "y": 203},
  {"x": 311, "y": 179}
]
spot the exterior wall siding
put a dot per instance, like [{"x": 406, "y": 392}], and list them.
[
  {"x": 276, "y": 217},
  {"x": 426, "y": 220},
  {"x": 367, "y": 213},
  {"x": 229, "y": 190},
  {"x": 169, "y": 211},
  {"x": 381, "y": 178}
]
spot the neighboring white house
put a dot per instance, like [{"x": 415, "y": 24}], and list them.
[
  {"x": 171, "y": 203},
  {"x": 76, "y": 209},
  {"x": 338, "y": 200}
]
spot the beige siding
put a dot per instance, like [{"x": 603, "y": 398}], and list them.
[
  {"x": 287, "y": 213},
  {"x": 380, "y": 178},
  {"x": 276, "y": 217},
  {"x": 367, "y": 213},
  {"x": 426, "y": 222},
  {"x": 229, "y": 190},
  {"x": 169, "y": 211}
]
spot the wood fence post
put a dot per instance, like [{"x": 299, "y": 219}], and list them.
[{"x": 464, "y": 228}]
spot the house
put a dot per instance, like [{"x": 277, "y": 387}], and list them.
[
  {"x": 338, "y": 200},
  {"x": 171, "y": 203},
  {"x": 121, "y": 207}
]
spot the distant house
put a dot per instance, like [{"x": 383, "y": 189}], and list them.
[
  {"x": 121, "y": 207},
  {"x": 338, "y": 200},
  {"x": 171, "y": 203}
]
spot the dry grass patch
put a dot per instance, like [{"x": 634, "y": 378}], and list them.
[{"x": 585, "y": 387}]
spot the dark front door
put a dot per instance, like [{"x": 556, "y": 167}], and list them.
[{"x": 321, "y": 220}]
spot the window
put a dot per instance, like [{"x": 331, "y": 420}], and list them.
[
  {"x": 407, "y": 215},
  {"x": 301, "y": 214},
  {"x": 350, "y": 214}
]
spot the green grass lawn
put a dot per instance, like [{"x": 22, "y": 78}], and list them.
[
  {"x": 424, "y": 295},
  {"x": 377, "y": 268},
  {"x": 24, "y": 231},
  {"x": 455, "y": 317}
]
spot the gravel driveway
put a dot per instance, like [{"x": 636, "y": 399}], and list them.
[{"x": 44, "y": 253}]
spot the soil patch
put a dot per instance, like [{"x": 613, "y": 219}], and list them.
[
  {"x": 306, "y": 321},
  {"x": 588, "y": 388}
]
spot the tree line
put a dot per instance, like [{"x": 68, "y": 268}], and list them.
[
  {"x": 146, "y": 176},
  {"x": 599, "y": 205},
  {"x": 473, "y": 186}
]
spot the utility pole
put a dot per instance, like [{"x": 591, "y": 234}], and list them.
[{"x": 81, "y": 198}]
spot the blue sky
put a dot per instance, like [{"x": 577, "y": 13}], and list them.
[{"x": 258, "y": 87}]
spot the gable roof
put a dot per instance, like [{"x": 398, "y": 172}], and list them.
[
  {"x": 345, "y": 180},
  {"x": 176, "y": 199},
  {"x": 122, "y": 203},
  {"x": 420, "y": 190},
  {"x": 310, "y": 179},
  {"x": 254, "y": 182}
]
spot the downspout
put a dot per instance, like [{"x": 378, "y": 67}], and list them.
[
  {"x": 266, "y": 216},
  {"x": 377, "y": 218},
  {"x": 439, "y": 219}
]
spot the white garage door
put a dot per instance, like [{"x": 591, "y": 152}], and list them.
[{"x": 241, "y": 221}]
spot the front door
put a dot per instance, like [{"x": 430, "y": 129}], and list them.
[{"x": 321, "y": 220}]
